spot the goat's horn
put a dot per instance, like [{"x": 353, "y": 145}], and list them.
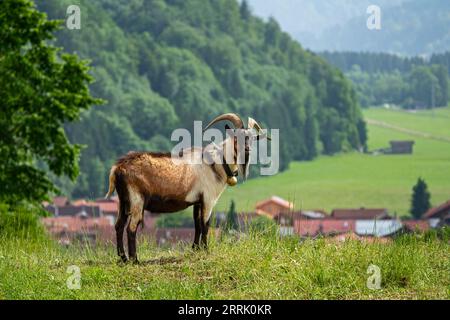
[
  {"x": 232, "y": 117},
  {"x": 252, "y": 123}
]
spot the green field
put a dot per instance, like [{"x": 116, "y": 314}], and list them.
[
  {"x": 253, "y": 267},
  {"x": 435, "y": 122},
  {"x": 363, "y": 180}
]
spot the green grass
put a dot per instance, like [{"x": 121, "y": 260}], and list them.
[
  {"x": 435, "y": 122},
  {"x": 253, "y": 267},
  {"x": 356, "y": 180}
]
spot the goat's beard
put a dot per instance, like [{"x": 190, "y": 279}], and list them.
[{"x": 243, "y": 169}]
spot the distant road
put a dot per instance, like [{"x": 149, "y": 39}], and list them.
[{"x": 408, "y": 131}]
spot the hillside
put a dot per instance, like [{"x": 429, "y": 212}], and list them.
[
  {"x": 162, "y": 64},
  {"x": 356, "y": 180}
]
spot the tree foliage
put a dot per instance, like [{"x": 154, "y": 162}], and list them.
[
  {"x": 40, "y": 90},
  {"x": 420, "y": 202},
  {"x": 231, "y": 222},
  {"x": 380, "y": 78},
  {"x": 161, "y": 64}
]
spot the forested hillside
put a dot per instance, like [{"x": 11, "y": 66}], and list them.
[
  {"x": 379, "y": 78},
  {"x": 162, "y": 64}
]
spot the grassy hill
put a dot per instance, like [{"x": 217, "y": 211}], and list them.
[
  {"x": 355, "y": 179},
  {"x": 254, "y": 267}
]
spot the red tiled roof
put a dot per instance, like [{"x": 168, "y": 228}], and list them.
[
  {"x": 437, "y": 210},
  {"x": 277, "y": 200},
  {"x": 312, "y": 227},
  {"x": 74, "y": 224},
  {"x": 60, "y": 201},
  {"x": 106, "y": 206},
  {"x": 361, "y": 213}
]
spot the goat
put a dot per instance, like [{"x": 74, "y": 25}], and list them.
[{"x": 153, "y": 181}]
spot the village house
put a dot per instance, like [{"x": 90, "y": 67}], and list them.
[
  {"x": 322, "y": 227},
  {"x": 69, "y": 210},
  {"x": 71, "y": 229},
  {"x": 273, "y": 206},
  {"x": 401, "y": 147},
  {"x": 360, "y": 213},
  {"x": 439, "y": 216}
]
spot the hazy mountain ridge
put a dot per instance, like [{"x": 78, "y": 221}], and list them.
[{"x": 409, "y": 27}]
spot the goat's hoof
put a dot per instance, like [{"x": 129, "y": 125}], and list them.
[
  {"x": 135, "y": 261},
  {"x": 195, "y": 247},
  {"x": 123, "y": 259}
]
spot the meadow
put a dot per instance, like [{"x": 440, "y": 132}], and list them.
[
  {"x": 363, "y": 180},
  {"x": 258, "y": 266}
]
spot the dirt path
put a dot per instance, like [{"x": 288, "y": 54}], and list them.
[{"x": 408, "y": 131}]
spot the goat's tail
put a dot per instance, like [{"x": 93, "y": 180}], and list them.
[{"x": 112, "y": 182}]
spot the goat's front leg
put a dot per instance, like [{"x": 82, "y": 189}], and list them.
[
  {"x": 197, "y": 225},
  {"x": 204, "y": 222}
]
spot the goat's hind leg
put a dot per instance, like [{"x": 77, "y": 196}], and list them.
[
  {"x": 136, "y": 217},
  {"x": 120, "y": 227}
]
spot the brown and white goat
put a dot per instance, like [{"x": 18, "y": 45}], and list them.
[{"x": 155, "y": 182}]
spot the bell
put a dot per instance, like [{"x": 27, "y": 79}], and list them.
[{"x": 232, "y": 181}]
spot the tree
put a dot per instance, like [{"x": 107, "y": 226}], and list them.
[
  {"x": 231, "y": 221},
  {"x": 424, "y": 86},
  {"x": 442, "y": 92},
  {"x": 40, "y": 90},
  {"x": 245, "y": 10},
  {"x": 420, "y": 201}
]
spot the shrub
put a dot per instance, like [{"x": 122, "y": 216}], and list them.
[
  {"x": 181, "y": 219},
  {"x": 20, "y": 222}
]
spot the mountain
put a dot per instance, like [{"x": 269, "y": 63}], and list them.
[
  {"x": 161, "y": 64},
  {"x": 408, "y": 27}
]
